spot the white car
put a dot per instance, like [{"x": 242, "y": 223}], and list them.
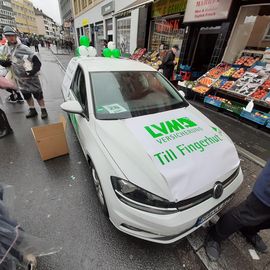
[{"x": 161, "y": 168}]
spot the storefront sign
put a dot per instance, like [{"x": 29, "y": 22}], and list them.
[
  {"x": 167, "y": 7},
  {"x": 168, "y": 26},
  {"x": 207, "y": 10},
  {"x": 85, "y": 22},
  {"x": 108, "y": 8}
]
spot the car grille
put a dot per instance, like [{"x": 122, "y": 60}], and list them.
[{"x": 185, "y": 204}]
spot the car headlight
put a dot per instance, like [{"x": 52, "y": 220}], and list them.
[{"x": 141, "y": 199}]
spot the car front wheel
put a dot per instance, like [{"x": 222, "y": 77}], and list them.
[{"x": 99, "y": 190}]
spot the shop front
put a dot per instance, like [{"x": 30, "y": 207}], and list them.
[
  {"x": 166, "y": 26},
  {"x": 206, "y": 29},
  {"x": 240, "y": 83},
  {"x": 165, "y": 20}
]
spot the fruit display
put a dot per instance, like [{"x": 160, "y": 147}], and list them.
[
  {"x": 267, "y": 99},
  {"x": 201, "y": 89},
  {"x": 239, "y": 73},
  {"x": 138, "y": 54},
  {"x": 248, "y": 89},
  {"x": 217, "y": 71},
  {"x": 227, "y": 85},
  {"x": 220, "y": 82},
  {"x": 259, "y": 94},
  {"x": 229, "y": 72},
  {"x": 246, "y": 61},
  {"x": 256, "y": 69},
  {"x": 190, "y": 84},
  {"x": 261, "y": 114},
  {"x": 206, "y": 81},
  {"x": 266, "y": 84},
  {"x": 224, "y": 100}
]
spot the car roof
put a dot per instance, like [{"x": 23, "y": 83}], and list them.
[{"x": 96, "y": 64}]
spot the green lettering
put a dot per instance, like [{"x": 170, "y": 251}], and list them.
[
  {"x": 162, "y": 128},
  {"x": 202, "y": 143},
  {"x": 186, "y": 122},
  {"x": 191, "y": 147},
  {"x": 173, "y": 125},
  {"x": 199, "y": 146},
  {"x": 152, "y": 133},
  {"x": 181, "y": 149},
  {"x": 159, "y": 158}
]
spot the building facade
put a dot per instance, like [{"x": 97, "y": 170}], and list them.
[
  {"x": 66, "y": 12},
  {"x": 6, "y": 14},
  {"x": 41, "y": 31},
  {"x": 111, "y": 20},
  {"x": 24, "y": 16}
]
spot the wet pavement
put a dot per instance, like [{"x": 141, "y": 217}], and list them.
[{"x": 56, "y": 200}]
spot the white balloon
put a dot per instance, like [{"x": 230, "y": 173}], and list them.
[
  {"x": 83, "y": 51},
  {"x": 111, "y": 45},
  {"x": 92, "y": 52}
]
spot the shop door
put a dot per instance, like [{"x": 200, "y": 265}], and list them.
[{"x": 204, "y": 48}]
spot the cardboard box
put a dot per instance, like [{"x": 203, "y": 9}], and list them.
[{"x": 51, "y": 139}]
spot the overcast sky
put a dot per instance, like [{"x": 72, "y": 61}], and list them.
[{"x": 49, "y": 7}]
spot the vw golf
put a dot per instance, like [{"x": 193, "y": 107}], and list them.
[{"x": 161, "y": 169}]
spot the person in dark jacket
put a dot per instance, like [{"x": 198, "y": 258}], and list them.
[
  {"x": 250, "y": 217},
  {"x": 169, "y": 62},
  {"x": 36, "y": 43}
]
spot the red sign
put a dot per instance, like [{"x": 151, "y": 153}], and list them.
[{"x": 168, "y": 26}]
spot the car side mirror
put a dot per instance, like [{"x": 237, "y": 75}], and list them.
[
  {"x": 72, "y": 107},
  {"x": 182, "y": 93}
]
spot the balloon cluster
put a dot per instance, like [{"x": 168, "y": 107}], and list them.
[
  {"x": 85, "y": 49},
  {"x": 111, "y": 51}
]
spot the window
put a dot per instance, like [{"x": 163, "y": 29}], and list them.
[
  {"x": 126, "y": 94},
  {"x": 123, "y": 34},
  {"x": 78, "y": 87},
  {"x": 267, "y": 33},
  {"x": 84, "y": 3},
  {"x": 76, "y": 6}
]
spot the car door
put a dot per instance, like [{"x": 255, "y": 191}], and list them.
[{"x": 80, "y": 123}]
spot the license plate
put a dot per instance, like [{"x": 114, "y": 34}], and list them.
[{"x": 212, "y": 212}]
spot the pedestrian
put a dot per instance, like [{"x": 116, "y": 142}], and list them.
[
  {"x": 250, "y": 217},
  {"x": 169, "y": 62},
  {"x": 36, "y": 43},
  {"x": 25, "y": 66}
]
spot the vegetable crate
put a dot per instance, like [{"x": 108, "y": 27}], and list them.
[
  {"x": 268, "y": 124},
  {"x": 233, "y": 107},
  {"x": 258, "y": 117},
  {"x": 211, "y": 101}
]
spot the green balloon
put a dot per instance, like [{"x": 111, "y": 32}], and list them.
[
  {"x": 107, "y": 52},
  {"x": 116, "y": 53},
  {"x": 84, "y": 41},
  {"x": 77, "y": 52}
]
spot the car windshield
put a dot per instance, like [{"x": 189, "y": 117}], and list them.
[{"x": 127, "y": 94}]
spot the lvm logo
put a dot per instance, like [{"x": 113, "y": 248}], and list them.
[{"x": 172, "y": 129}]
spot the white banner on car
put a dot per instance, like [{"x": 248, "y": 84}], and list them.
[{"x": 188, "y": 152}]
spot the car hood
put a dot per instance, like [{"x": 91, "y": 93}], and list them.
[{"x": 175, "y": 154}]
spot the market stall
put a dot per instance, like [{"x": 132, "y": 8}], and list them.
[{"x": 230, "y": 87}]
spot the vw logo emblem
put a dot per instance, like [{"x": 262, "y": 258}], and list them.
[{"x": 217, "y": 190}]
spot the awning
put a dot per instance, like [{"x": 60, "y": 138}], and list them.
[{"x": 134, "y": 5}]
